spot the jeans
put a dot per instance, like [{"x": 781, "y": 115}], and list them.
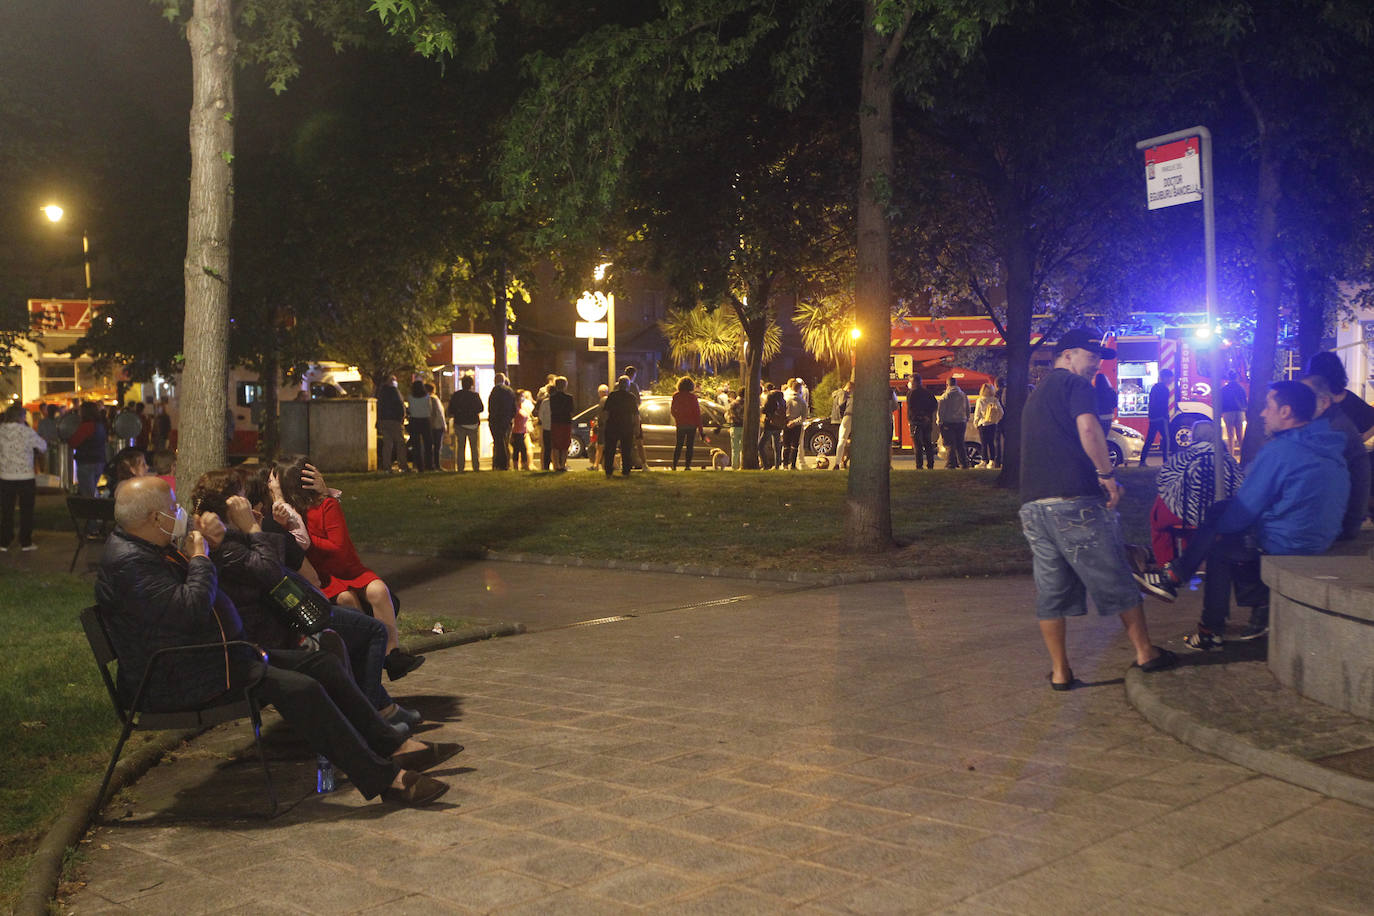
[
  {"x": 923, "y": 441},
  {"x": 1077, "y": 551},
  {"x": 1233, "y": 561},
  {"x": 791, "y": 445},
  {"x": 22, "y": 491},
  {"x": 956, "y": 454},
  {"x": 466, "y": 438},
  {"x": 622, "y": 442},
  {"x": 686, "y": 435},
  {"x": 422, "y": 438},
  {"x": 88, "y": 476},
  {"x": 988, "y": 436},
  {"x": 365, "y": 639},
  {"x": 436, "y": 446},
  {"x": 1162, "y": 428},
  {"x": 770, "y": 445},
  {"x": 737, "y": 447},
  {"x": 393, "y": 445},
  {"x": 520, "y": 453},
  {"x": 500, "y": 443}
]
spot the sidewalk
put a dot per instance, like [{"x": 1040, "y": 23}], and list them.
[{"x": 884, "y": 747}]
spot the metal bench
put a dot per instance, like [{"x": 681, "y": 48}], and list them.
[{"x": 236, "y": 704}]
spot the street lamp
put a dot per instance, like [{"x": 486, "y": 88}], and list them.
[
  {"x": 54, "y": 215},
  {"x": 854, "y": 335}
]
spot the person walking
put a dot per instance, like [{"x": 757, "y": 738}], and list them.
[
  {"x": 438, "y": 428},
  {"x": 88, "y": 441},
  {"x": 561, "y": 414},
  {"x": 735, "y": 410},
  {"x": 18, "y": 443},
  {"x": 1106, "y": 402},
  {"x": 465, "y": 412},
  {"x": 686, "y": 412},
  {"x": 500, "y": 419},
  {"x": 773, "y": 419},
  {"x": 421, "y": 436},
  {"x": 616, "y": 427},
  {"x": 841, "y": 403},
  {"x": 1068, "y": 513},
  {"x": 1159, "y": 417},
  {"x": 952, "y": 412},
  {"x": 986, "y": 416},
  {"x": 391, "y": 415},
  {"x": 797, "y": 412},
  {"x": 920, "y": 416},
  {"x": 1233, "y": 404}
]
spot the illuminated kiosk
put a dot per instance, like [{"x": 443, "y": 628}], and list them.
[{"x": 456, "y": 355}]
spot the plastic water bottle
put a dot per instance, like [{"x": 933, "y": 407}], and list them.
[{"x": 324, "y": 774}]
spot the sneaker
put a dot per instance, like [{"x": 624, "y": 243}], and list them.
[
  {"x": 29, "y": 549},
  {"x": 1254, "y": 631},
  {"x": 1203, "y": 641},
  {"x": 1140, "y": 558},
  {"x": 1158, "y": 582}
]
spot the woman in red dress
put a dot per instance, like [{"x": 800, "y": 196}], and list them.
[{"x": 343, "y": 577}]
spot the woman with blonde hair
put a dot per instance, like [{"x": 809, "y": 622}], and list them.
[{"x": 986, "y": 416}]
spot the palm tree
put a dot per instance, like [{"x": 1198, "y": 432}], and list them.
[
  {"x": 825, "y": 325},
  {"x": 712, "y": 339}
]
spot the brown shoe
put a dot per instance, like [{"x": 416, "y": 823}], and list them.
[
  {"x": 416, "y": 790},
  {"x": 433, "y": 754}
]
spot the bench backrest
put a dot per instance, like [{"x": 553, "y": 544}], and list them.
[
  {"x": 92, "y": 508},
  {"x": 104, "y": 652}
]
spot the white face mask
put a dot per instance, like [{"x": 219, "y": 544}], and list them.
[{"x": 179, "y": 524}]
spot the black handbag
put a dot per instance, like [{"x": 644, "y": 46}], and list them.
[{"x": 300, "y": 605}]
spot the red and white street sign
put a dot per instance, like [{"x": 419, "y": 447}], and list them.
[{"x": 1173, "y": 174}]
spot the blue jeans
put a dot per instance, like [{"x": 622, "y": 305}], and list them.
[
  {"x": 1233, "y": 561},
  {"x": 1162, "y": 428},
  {"x": 1077, "y": 550},
  {"x": 87, "y": 476},
  {"x": 365, "y": 638}
]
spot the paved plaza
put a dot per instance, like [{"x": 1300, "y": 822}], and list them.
[{"x": 736, "y": 747}]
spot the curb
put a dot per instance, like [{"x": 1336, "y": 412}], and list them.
[
  {"x": 809, "y": 579},
  {"x": 45, "y": 867},
  {"x": 1188, "y": 729}
]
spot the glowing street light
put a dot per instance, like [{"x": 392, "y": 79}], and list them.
[{"x": 54, "y": 214}]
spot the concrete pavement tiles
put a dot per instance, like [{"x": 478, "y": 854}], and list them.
[{"x": 881, "y": 748}]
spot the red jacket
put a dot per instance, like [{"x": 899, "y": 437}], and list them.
[{"x": 686, "y": 409}]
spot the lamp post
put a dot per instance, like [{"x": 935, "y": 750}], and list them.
[
  {"x": 854, "y": 335},
  {"x": 54, "y": 215}
]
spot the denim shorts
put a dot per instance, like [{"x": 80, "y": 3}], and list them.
[{"x": 1078, "y": 551}]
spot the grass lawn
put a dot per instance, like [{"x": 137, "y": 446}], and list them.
[{"x": 764, "y": 520}]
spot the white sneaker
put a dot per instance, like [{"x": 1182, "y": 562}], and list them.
[{"x": 30, "y": 548}]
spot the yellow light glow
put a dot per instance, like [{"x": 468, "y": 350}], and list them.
[
  {"x": 53, "y": 212},
  {"x": 599, "y": 273},
  {"x": 855, "y": 333}
]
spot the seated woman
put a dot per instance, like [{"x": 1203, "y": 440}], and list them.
[
  {"x": 251, "y": 561},
  {"x": 343, "y": 577},
  {"x": 127, "y": 463}
]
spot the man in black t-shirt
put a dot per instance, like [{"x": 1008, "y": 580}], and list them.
[
  {"x": 1159, "y": 416},
  {"x": 1068, "y": 513}
]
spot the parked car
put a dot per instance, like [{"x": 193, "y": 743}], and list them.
[{"x": 660, "y": 433}]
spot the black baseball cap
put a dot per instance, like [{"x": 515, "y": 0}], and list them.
[{"x": 1084, "y": 339}]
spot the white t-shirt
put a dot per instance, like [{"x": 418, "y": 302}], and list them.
[{"x": 17, "y": 444}]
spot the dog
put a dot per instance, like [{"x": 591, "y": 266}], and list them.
[
  {"x": 719, "y": 460},
  {"x": 822, "y": 462}
]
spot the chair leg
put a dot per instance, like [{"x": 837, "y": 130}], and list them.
[
  {"x": 79, "y": 545},
  {"x": 262, "y": 757},
  {"x": 109, "y": 771}
]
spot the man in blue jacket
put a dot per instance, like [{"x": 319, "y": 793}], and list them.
[{"x": 1292, "y": 502}]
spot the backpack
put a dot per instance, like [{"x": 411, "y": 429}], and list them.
[{"x": 777, "y": 411}]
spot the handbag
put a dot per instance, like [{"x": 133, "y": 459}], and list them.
[{"x": 299, "y": 605}]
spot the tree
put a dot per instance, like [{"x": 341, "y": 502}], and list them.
[
  {"x": 272, "y": 29},
  {"x": 827, "y": 326},
  {"x": 712, "y": 338}
]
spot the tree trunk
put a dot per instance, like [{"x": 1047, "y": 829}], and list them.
[
  {"x": 868, "y": 511},
  {"x": 1311, "y": 314},
  {"x": 1016, "y": 260},
  {"x": 201, "y": 432},
  {"x": 1266, "y": 292},
  {"x": 752, "y": 379},
  {"x": 498, "y": 324}
]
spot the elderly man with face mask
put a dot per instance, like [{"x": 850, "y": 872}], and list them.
[{"x": 154, "y": 596}]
